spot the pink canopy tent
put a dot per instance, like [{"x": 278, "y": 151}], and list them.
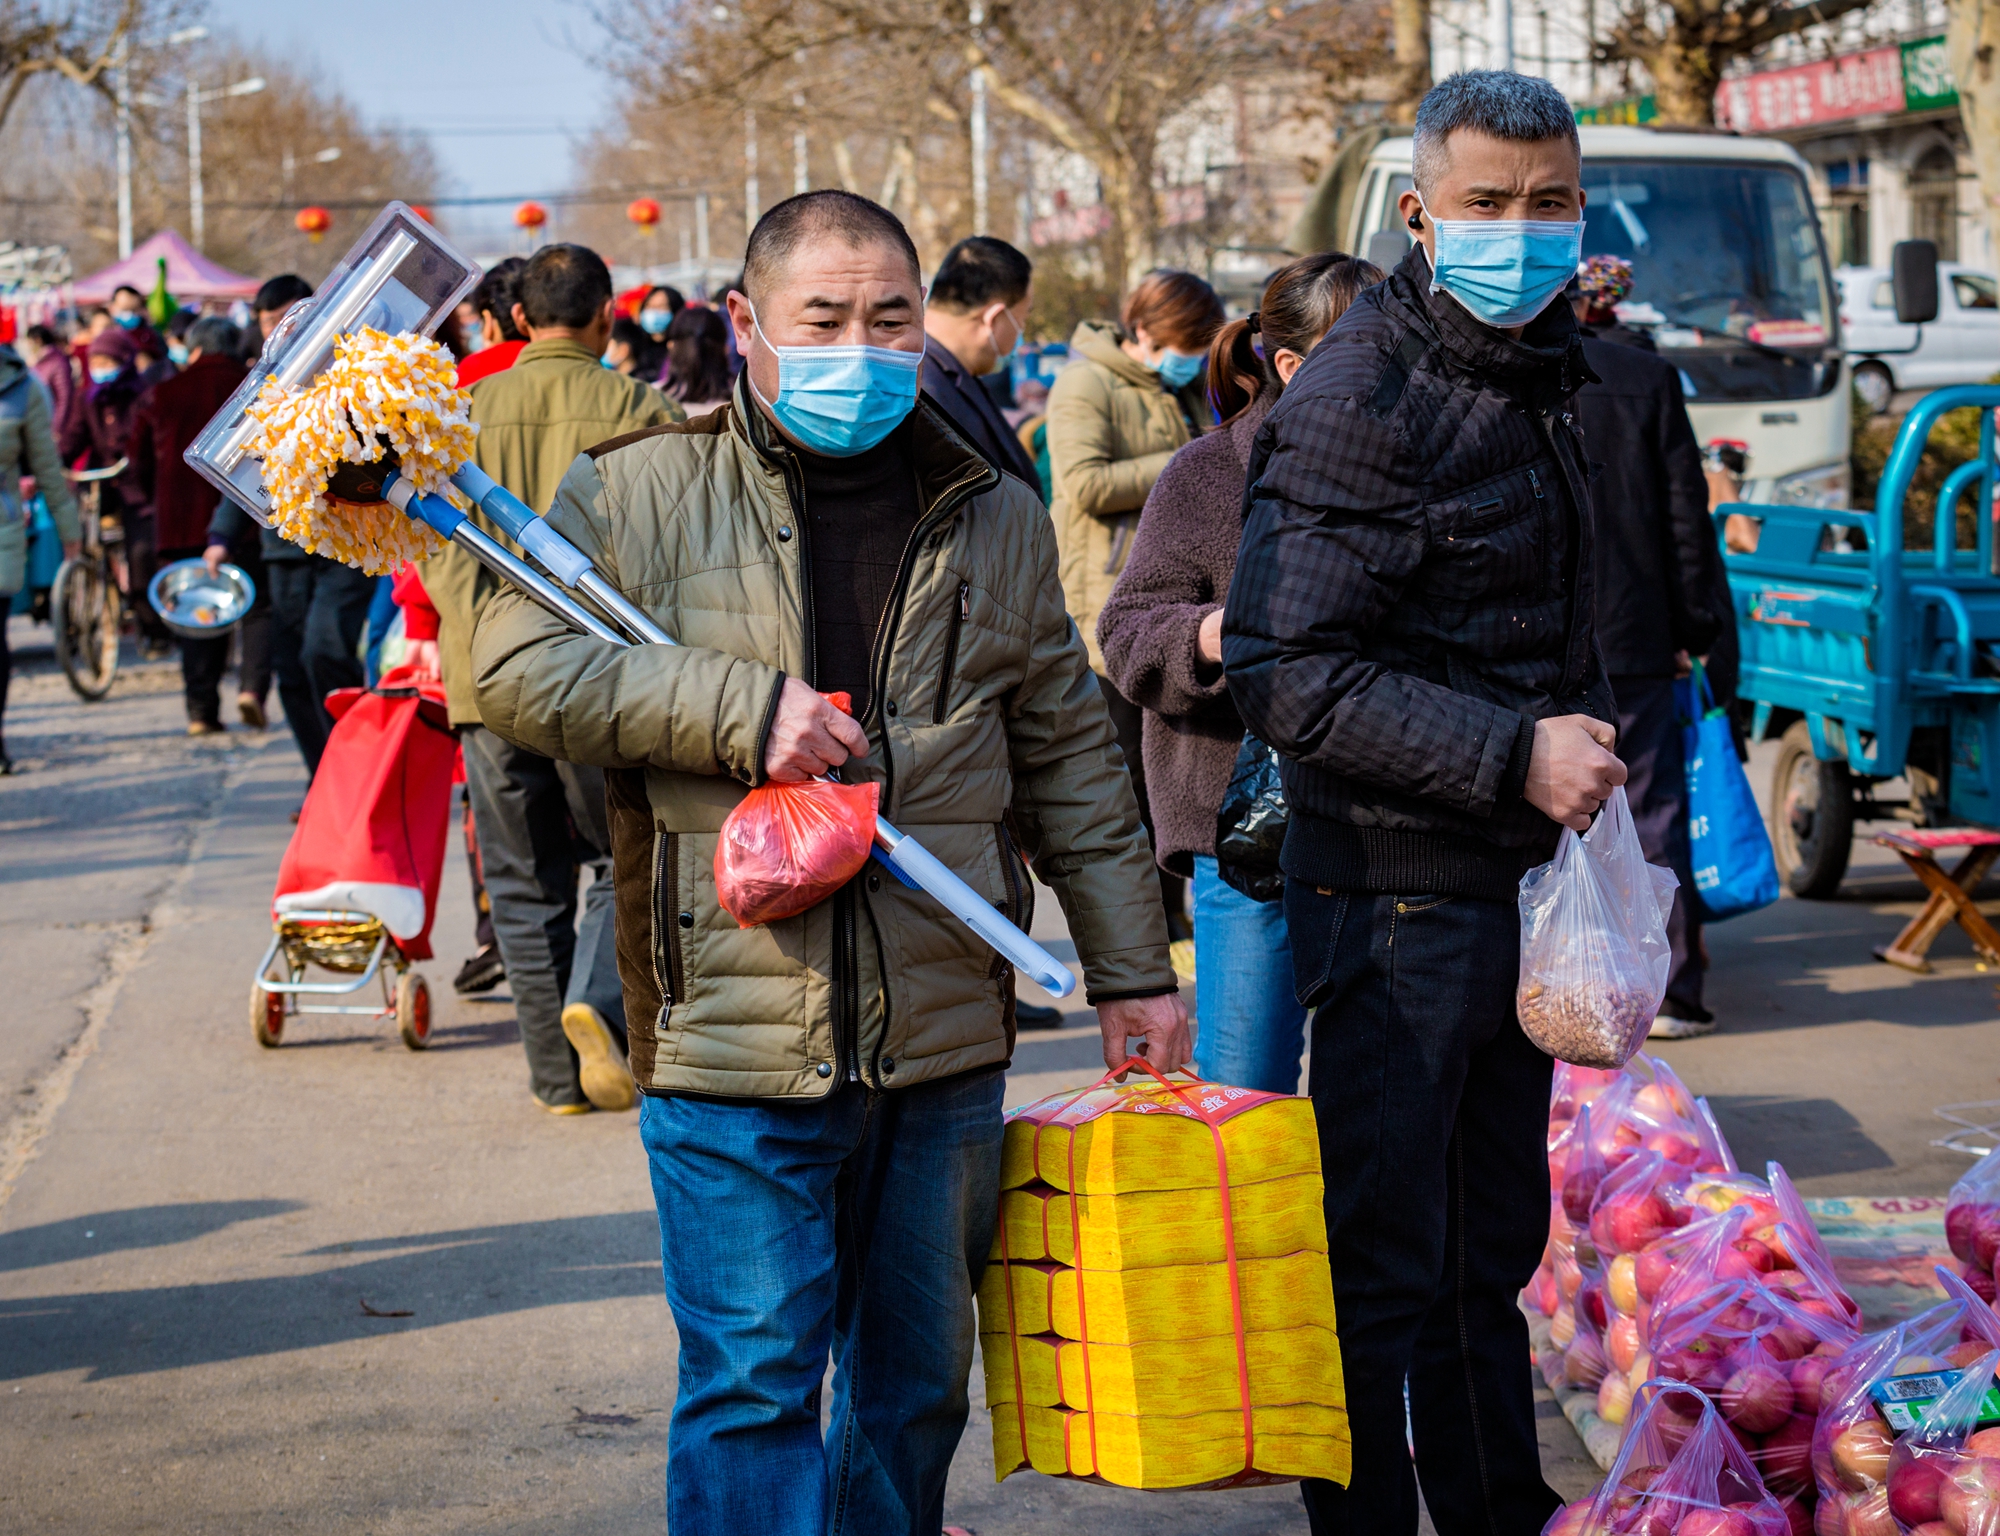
[{"x": 190, "y": 275}]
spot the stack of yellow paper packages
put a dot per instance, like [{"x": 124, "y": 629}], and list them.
[{"x": 1158, "y": 1312}]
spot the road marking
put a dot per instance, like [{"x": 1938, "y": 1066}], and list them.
[{"x": 22, "y": 1138}]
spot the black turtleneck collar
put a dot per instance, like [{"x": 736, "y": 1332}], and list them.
[{"x": 1546, "y": 361}]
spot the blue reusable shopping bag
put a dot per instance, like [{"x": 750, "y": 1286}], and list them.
[{"x": 1734, "y": 871}]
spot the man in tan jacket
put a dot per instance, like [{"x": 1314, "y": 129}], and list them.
[
  {"x": 541, "y": 821},
  {"x": 822, "y": 1094}
]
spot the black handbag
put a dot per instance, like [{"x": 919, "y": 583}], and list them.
[{"x": 1250, "y": 827}]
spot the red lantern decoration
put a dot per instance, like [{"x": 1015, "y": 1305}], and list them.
[
  {"x": 644, "y": 212},
  {"x": 314, "y": 221},
  {"x": 531, "y": 215}
]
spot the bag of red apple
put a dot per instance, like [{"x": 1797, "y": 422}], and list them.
[
  {"x": 787, "y": 847},
  {"x": 1678, "y": 1472},
  {"x": 1853, "y": 1446},
  {"x": 1972, "y": 1223},
  {"x": 1944, "y": 1474},
  {"x": 1594, "y": 951}
]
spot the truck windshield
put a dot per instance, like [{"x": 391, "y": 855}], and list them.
[{"x": 1728, "y": 274}]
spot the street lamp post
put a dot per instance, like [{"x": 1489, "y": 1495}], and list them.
[
  {"x": 750, "y": 199},
  {"x": 977, "y": 17},
  {"x": 197, "y": 213},
  {"x": 122, "y": 68}
]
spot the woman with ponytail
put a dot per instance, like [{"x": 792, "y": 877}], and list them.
[{"x": 1161, "y": 633}]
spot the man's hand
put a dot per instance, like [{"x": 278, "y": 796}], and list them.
[
  {"x": 809, "y": 736},
  {"x": 213, "y": 556},
  {"x": 1683, "y": 664},
  {"x": 1208, "y": 641},
  {"x": 421, "y": 657},
  {"x": 1571, "y": 771},
  {"x": 1160, "y": 1024},
  {"x": 72, "y": 548}
]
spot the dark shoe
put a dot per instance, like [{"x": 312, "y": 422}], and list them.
[
  {"x": 250, "y": 710},
  {"x": 480, "y": 973},
  {"x": 205, "y": 728},
  {"x": 6, "y": 765},
  {"x": 1036, "y": 1016}
]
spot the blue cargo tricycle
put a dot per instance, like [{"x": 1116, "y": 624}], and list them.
[{"x": 1878, "y": 663}]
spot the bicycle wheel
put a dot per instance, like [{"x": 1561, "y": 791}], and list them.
[{"x": 86, "y": 615}]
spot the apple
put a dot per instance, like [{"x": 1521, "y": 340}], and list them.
[
  {"x": 1621, "y": 1283},
  {"x": 1985, "y": 1235},
  {"x": 1913, "y": 1490},
  {"x": 1757, "y": 1398},
  {"x": 1984, "y": 1442},
  {"x": 1629, "y": 1221},
  {"x": 1868, "y": 1515},
  {"x": 1910, "y": 1365},
  {"x": 1981, "y": 1283},
  {"x": 1583, "y": 1361},
  {"x": 1716, "y": 1522},
  {"x": 1546, "y": 1297},
  {"x": 1743, "y": 1258},
  {"x": 1960, "y": 1223},
  {"x": 1578, "y": 1190},
  {"x": 1808, "y": 1380},
  {"x": 1784, "y": 1460},
  {"x": 1969, "y": 1497},
  {"x": 1562, "y": 1326},
  {"x": 1576, "y": 1520},
  {"x": 1652, "y": 1269},
  {"x": 1861, "y": 1455},
  {"x": 1590, "y": 1303},
  {"x": 1674, "y": 1147},
  {"x": 1569, "y": 1278},
  {"x": 1642, "y": 1369},
  {"x": 1932, "y": 1528},
  {"x": 1830, "y": 1517},
  {"x": 1783, "y": 1279},
  {"x": 1798, "y": 1517},
  {"x": 1786, "y": 1342},
  {"x": 1614, "y": 1397},
  {"x": 1621, "y": 1343}
]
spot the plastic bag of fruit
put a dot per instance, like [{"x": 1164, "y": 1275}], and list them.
[
  {"x": 1944, "y": 1473},
  {"x": 1678, "y": 1472},
  {"x": 1766, "y": 1236},
  {"x": 1882, "y": 1376},
  {"x": 1972, "y": 1223}
]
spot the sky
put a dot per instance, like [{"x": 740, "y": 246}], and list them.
[{"x": 502, "y": 87}]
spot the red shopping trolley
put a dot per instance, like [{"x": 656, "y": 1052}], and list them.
[{"x": 358, "y": 887}]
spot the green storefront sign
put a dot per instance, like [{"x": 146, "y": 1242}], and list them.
[
  {"x": 1927, "y": 82},
  {"x": 1629, "y": 112}
]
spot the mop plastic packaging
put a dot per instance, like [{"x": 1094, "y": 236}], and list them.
[
  {"x": 1157, "y": 1311},
  {"x": 787, "y": 847},
  {"x": 1679, "y": 1472},
  {"x": 1594, "y": 950}
]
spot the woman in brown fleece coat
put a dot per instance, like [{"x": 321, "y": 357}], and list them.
[{"x": 1161, "y": 634}]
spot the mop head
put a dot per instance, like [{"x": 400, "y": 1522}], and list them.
[{"x": 382, "y": 397}]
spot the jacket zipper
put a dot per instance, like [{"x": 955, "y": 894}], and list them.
[
  {"x": 959, "y": 615},
  {"x": 847, "y": 1029},
  {"x": 667, "y": 875},
  {"x": 1573, "y": 669}
]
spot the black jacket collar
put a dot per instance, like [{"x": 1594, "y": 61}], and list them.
[{"x": 1544, "y": 366}]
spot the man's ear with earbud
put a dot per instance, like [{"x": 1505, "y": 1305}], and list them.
[{"x": 1415, "y": 221}]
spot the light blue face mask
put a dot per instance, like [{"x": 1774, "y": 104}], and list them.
[
  {"x": 654, "y": 322},
  {"x": 1505, "y": 271},
  {"x": 841, "y": 400},
  {"x": 1178, "y": 370},
  {"x": 177, "y": 354}
]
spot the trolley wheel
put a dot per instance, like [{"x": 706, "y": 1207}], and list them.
[
  {"x": 267, "y": 1016},
  {"x": 86, "y": 615},
  {"x": 413, "y": 1010},
  {"x": 1812, "y": 816}
]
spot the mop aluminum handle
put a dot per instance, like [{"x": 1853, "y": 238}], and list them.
[{"x": 905, "y": 857}]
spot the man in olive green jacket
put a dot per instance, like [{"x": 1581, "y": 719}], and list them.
[
  {"x": 539, "y": 821},
  {"x": 822, "y": 1109}
]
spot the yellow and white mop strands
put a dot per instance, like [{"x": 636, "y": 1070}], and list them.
[{"x": 397, "y": 390}]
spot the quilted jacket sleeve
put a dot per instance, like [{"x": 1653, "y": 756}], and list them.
[
  {"x": 1073, "y": 803},
  {"x": 1083, "y": 446},
  {"x": 579, "y": 699},
  {"x": 1334, "y": 533}
]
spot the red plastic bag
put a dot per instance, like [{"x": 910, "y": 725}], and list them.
[
  {"x": 787, "y": 847},
  {"x": 1679, "y": 1472}
]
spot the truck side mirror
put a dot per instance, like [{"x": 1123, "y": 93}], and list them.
[{"x": 1914, "y": 280}]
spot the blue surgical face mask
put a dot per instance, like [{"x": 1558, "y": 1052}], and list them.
[
  {"x": 654, "y": 322},
  {"x": 104, "y": 373},
  {"x": 129, "y": 320},
  {"x": 1179, "y": 369},
  {"x": 1505, "y": 271},
  {"x": 841, "y": 400},
  {"x": 606, "y": 361},
  {"x": 178, "y": 353}
]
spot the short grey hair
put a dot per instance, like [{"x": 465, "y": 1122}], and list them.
[
  {"x": 213, "y": 334},
  {"x": 1494, "y": 101}
]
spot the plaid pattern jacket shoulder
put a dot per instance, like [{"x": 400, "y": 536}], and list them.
[{"x": 1414, "y": 586}]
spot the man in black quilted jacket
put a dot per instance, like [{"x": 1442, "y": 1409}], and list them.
[{"x": 1410, "y": 625}]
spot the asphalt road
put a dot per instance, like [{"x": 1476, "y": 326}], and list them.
[{"x": 339, "y": 1287}]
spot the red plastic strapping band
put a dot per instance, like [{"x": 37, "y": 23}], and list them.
[{"x": 1014, "y": 1337}]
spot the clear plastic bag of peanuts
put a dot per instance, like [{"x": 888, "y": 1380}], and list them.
[{"x": 1594, "y": 950}]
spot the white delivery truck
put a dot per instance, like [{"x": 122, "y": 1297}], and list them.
[{"x": 1730, "y": 277}]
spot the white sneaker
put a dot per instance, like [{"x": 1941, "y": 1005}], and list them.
[{"x": 1667, "y": 1027}]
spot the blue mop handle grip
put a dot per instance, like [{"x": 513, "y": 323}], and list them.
[{"x": 560, "y": 558}]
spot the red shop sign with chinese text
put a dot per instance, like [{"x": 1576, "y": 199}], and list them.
[{"x": 1853, "y": 85}]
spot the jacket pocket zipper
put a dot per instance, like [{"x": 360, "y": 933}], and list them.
[
  {"x": 1535, "y": 484},
  {"x": 959, "y": 614},
  {"x": 667, "y": 879}
]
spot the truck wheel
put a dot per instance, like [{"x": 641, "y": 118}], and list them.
[
  {"x": 1875, "y": 386},
  {"x": 1812, "y": 817}
]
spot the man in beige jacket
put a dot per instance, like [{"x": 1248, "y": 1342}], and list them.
[
  {"x": 540, "y": 821},
  {"x": 822, "y": 1109}
]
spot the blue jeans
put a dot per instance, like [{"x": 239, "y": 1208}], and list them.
[
  {"x": 1433, "y": 1109},
  {"x": 856, "y": 1227},
  {"x": 1252, "y": 1029}
]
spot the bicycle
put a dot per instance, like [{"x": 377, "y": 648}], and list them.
[{"x": 86, "y": 605}]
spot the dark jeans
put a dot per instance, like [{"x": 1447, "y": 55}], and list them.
[
  {"x": 317, "y": 609},
  {"x": 1433, "y": 1108},
  {"x": 1649, "y": 741},
  {"x": 855, "y": 1227},
  {"x": 1125, "y": 721},
  {"x": 540, "y": 823}
]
